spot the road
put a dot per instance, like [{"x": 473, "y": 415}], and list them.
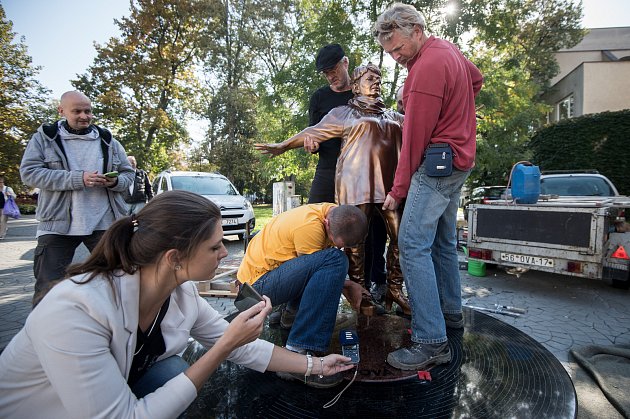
[
  {"x": 16, "y": 274},
  {"x": 562, "y": 312}
]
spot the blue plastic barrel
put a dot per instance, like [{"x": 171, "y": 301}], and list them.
[{"x": 526, "y": 184}]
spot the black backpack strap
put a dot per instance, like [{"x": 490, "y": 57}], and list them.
[
  {"x": 106, "y": 136},
  {"x": 51, "y": 130}
]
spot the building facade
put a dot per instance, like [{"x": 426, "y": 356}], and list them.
[{"x": 594, "y": 75}]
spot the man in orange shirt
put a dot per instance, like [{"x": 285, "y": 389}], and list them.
[{"x": 295, "y": 259}]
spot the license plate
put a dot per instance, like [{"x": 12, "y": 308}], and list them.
[
  {"x": 229, "y": 221},
  {"x": 527, "y": 260}
]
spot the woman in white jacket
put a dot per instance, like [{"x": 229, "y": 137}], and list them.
[{"x": 104, "y": 343}]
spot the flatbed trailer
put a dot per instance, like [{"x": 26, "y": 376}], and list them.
[{"x": 570, "y": 235}]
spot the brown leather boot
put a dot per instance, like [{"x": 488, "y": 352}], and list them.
[
  {"x": 356, "y": 260},
  {"x": 395, "y": 283},
  {"x": 395, "y": 294}
]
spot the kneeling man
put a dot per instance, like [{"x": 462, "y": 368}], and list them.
[{"x": 296, "y": 259}]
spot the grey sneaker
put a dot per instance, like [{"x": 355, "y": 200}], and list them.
[
  {"x": 419, "y": 356},
  {"x": 313, "y": 380},
  {"x": 454, "y": 321},
  {"x": 378, "y": 292},
  {"x": 287, "y": 319},
  {"x": 284, "y": 318}
]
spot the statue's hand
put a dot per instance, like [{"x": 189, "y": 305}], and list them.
[
  {"x": 311, "y": 145},
  {"x": 273, "y": 149}
]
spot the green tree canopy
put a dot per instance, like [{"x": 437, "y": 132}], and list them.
[
  {"x": 144, "y": 84},
  {"x": 247, "y": 68},
  {"x": 513, "y": 47},
  {"x": 23, "y": 100}
]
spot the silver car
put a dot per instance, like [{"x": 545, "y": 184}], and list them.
[
  {"x": 236, "y": 211},
  {"x": 579, "y": 183}
]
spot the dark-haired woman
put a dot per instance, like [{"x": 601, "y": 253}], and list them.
[{"x": 104, "y": 343}]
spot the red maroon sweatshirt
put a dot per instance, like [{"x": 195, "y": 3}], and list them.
[{"x": 439, "y": 98}]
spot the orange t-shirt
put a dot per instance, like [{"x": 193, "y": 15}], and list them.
[{"x": 300, "y": 230}]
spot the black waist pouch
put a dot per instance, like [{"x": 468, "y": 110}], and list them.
[{"x": 438, "y": 160}]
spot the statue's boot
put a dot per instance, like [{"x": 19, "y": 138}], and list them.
[
  {"x": 356, "y": 260},
  {"x": 395, "y": 282}
]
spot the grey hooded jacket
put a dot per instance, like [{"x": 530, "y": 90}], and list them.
[{"x": 45, "y": 166}]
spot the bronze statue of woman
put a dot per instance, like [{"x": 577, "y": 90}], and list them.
[{"x": 371, "y": 139}]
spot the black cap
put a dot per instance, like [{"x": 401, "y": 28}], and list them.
[{"x": 328, "y": 56}]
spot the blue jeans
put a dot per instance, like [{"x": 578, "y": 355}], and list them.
[
  {"x": 159, "y": 373},
  {"x": 312, "y": 284},
  {"x": 428, "y": 252}
]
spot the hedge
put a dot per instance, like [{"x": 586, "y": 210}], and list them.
[
  {"x": 596, "y": 141},
  {"x": 27, "y": 208}
]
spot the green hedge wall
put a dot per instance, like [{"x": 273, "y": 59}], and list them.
[
  {"x": 597, "y": 141},
  {"x": 27, "y": 209}
]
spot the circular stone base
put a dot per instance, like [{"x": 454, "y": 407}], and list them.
[
  {"x": 378, "y": 336},
  {"x": 496, "y": 371}
]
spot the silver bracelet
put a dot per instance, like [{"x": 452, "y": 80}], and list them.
[
  {"x": 309, "y": 366},
  {"x": 321, "y": 373}
]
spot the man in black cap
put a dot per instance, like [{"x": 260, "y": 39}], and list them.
[{"x": 331, "y": 61}]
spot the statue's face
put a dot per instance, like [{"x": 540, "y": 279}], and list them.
[{"x": 370, "y": 84}]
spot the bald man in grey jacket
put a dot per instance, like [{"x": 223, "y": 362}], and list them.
[{"x": 67, "y": 160}]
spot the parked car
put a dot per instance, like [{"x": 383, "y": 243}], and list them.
[
  {"x": 586, "y": 183},
  {"x": 482, "y": 195},
  {"x": 236, "y": 211}
]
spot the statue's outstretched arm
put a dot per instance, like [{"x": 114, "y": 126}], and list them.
[{"x": 331, "y": 126}]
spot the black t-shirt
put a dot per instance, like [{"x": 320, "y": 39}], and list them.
[
  {"x": 141, "y": 189},
  {"x": 149, "y": 346},
  {"x": 322, "y": 101}
]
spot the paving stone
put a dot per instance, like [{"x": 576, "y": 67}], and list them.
[{"x": 562, "y": 312}]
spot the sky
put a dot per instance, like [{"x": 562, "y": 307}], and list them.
[{"x": 60, "y": 34}]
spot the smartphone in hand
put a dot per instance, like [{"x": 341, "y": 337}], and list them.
[
  {"x": 111, "y": 174},
  {"x": 247, "y": 297},
  {"x": 349, "y": 341}
]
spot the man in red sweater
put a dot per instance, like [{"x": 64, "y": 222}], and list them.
[{"x": 439, "y": 100}]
